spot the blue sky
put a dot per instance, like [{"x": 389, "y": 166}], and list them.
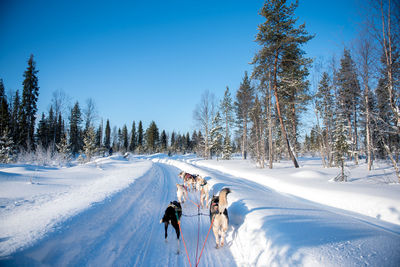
[{"x": 149, "y": 60}]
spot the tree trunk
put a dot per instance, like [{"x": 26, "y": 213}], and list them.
[{"x": 284, "y": 133}]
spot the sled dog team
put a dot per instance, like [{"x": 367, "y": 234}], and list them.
[{"x": 218, "y": 206}]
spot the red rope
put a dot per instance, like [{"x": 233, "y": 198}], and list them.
[
  {"x": 198, "y": 230},
  {"x": 201, "y": 253},
  {"x": 187, "y": 254}
]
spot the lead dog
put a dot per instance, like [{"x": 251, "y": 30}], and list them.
[
  {"x": 189, "y": 179},
  {"x": 172, "y": 216},
  {"x": 219, "y": 216}
]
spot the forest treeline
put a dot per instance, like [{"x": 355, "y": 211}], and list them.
[{"x": 353, "y": 102}]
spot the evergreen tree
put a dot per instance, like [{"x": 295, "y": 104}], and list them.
[
  {"x": 293, "y": 90},
  {"x": 243, "y": 104},
  {"x": 6, "y": 147},
  {"x": 152, "y": 137},
  {"x": 140, "y": 136},
  {"x": 4, "y": 109},
  {"x": 341, "y": 146},
  {"x": 125, "y": 138},
  {"x": 29, "y": 107},
  {"x": 164, "y": 141},
  {"x": 63, "y": 148},
  {"x": 15, "y": 116},
  {"x": 276, "y": 36},
  {"x": 216, "y": 135},
  {"x": 173, "y": 142},
  {"x": 75, "y": 129},
  {"x": 133, "y": 142},
  {"x": 43, "y": 132},
  {"x": 99, "y": 135},
  {"x": 227, "y": 116},
  {"x": 324, "y": 104},
  {"x": 107, "y": 135},
  {"x": 349, "y": 94}
]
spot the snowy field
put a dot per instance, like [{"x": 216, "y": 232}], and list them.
[{"x": 107, "y": 212}]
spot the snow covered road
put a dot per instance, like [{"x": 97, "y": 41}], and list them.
[{"x": 267, "y": 228}]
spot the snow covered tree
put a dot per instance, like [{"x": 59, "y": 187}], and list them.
[
  {"x": 216, "y": 135},
  {"x": 89, "y": 143},
  {"x": 243, "y": 104},
  {"x": 341, "y": 143},
  {"x": 6, "y": 147},
  {"x": 28, "y": 110},
  {"x": 226, "y": 108},
  {"x": 63, "y": 148},
  {"x": 349, "y": 94},
  {"x": 15, "y": 117}
]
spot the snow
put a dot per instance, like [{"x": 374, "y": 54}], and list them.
[{"x": 107, "y": 212}]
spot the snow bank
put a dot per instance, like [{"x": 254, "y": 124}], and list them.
[{"x": 368, "y": 193}]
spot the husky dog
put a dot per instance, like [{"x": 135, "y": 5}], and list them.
[
  {"x": 189, "y": 179},
  {"x": 181, "y": 193},
  {"x": 202, "y": 186},
  {"x": 172, "y": 216},
  {"x": 219, "y": 216}
]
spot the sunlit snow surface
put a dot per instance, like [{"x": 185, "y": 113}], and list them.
[{"x": 107, "y": 212}]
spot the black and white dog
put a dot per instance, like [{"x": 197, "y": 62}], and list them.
[
  {"x": 171, "y": 216},
  {"x": 219, "y": 216}
]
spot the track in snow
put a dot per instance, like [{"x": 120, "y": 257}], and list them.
[{"x": 125, "y": 230}]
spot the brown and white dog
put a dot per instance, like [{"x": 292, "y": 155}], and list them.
[
  {"x": 202, "y": 186},
  {"x": 219, "y": 216},
  {"x": 188, "y": 179},
  {"x": 181, "y": 193}
]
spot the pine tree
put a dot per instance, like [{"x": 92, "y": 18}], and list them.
[
  {"x": 216, "y": 135},
  {"x": 341, "y": 146},
  {"x": 140, "y": 137},
  {"x": 243, "y": 104},
  {"x": 152, "y": 137},
  {"x": 293, "y": 90},
  {"x": 43, "y": 132},
  {"x": 133, "y": 141},
  {"x": 275, "y": 36},
  {"x": 324, "y": 104},
  {"x": 63, "y": 148},
  {"x": 349, "y": 94},
  {"x": 75, "y": 130},
  {"x": 15, "y": 116},
  {"x": 164, "y": 141},
  {"x": 125, "y": 138},
  {"x": 227, "y": 116},
  {"x": 29, "y": 107},
  {"x": 107, "y": 135},
  {"x": 89, "y": 143},
  {"x": 4, "y": 109},
  {"x": 6, "y": 147}
]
